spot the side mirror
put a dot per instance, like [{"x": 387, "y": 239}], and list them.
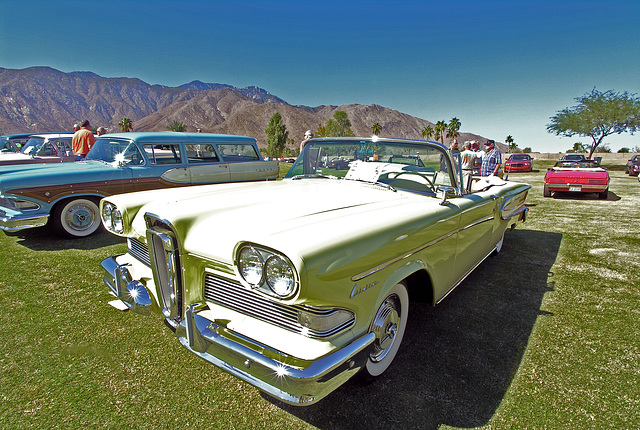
[{"x": 447, "y": 192}]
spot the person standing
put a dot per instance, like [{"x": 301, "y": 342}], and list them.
[
  {"x": 307, "y": 135},
  {"x": 468, "y": 161},
  {"x": 100, "y": 131},
  {"x": 492, "y": 161},
  {"x": 475, "y": 147},
  {"x": 82, "y": 140}
]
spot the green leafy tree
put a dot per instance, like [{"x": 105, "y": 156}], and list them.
[
  {"x": 439, "y": 130},
  {"x": 427, "y": 132},
  {"x": 376, "y": 128},
  {"x": 277, "y": 136},
  {"x": 578, "y": 147},
  {"x": 598, "y": 115},
  {"x": 322, "y": 131},
  {"x": 509, "y": 141},
  {"x": 126, "y": 124},
  {"x": 527, "y": 150},
  {"x": 453, "y": 128},
  {"x": 339, "y": 125},
  {"x": 624, "y": 150},
  {"x": 176, "y": 125}
]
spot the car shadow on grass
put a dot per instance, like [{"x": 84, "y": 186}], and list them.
[
  {"x": 45, "y": 239},
  {"x": 559, "y": 195},
  {"x": 457, "y": 359}
]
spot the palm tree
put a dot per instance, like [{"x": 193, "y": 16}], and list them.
[
  {"x": 376, "y": 128},
  {"x": 509, "y": 141},
  {"x": 439, "y": 129},
  {"x": 126, "y": 124},
  {"x": 427, "y": 132},
  {"x": 452, "y": 129},
  {"x": 176, "y": 125}
]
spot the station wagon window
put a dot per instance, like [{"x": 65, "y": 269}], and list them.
[
  {"x": 201, "y": 153},
  {"x": 116, "y": 151},
  {"x": 238, "y": 152},
  {"x": 163, "y": 154}
]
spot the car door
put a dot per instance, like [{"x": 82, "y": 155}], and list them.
[
  {"x": 162, "y": 166},
  {"x": 206, "y": 166}
]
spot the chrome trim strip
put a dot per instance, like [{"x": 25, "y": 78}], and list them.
[
  {"x": 410, "y": 253},
  {"x": 15, "y": 223}
]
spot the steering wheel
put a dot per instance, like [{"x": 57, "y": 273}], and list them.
[{"x": 411, "y": 172}]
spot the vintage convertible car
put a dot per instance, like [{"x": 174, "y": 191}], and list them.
[
  {"x": 295, "y": 299},
  {"x": 67, "y": 194},
  {"x": 41, "y": 148},
  {"x": 632, "y": 167},
  {"x": 518, "y": 163},
  {"x": 584, "y": 176},
  {"x": 13, "y": 142}
]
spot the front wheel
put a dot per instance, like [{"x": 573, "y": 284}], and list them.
[
  {"x": 388, "y": 326},
  {"x": 76, "y": 218}
]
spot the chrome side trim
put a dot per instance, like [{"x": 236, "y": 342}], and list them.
[{"x": 410, "y": 253}]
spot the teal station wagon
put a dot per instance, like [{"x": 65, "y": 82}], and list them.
[
  {"x": 297, "y": 298},
  {"x": 66, "y": 195}
]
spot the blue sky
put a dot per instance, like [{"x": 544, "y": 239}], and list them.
[{"x": 501, "y": 67}]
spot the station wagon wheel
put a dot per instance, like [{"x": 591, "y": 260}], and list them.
[
  {"x": 388, "y": 325},
  {"x": 76, "y": 217}
]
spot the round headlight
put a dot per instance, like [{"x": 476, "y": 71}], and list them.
[
  {"x": 112, "y": 218},
  {"x": 250, "y": 266},
  {"x": 280, "y": 277}
]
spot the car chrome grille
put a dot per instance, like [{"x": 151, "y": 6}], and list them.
[
  {"x": 139, "y": 250},
  {"x": 233, "y": 296}
]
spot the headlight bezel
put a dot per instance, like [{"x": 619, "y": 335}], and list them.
[
  {"x": 267, "y": 271},
  {"x": 112, "y": 217}
]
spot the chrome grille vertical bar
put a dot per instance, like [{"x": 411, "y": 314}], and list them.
[{"x": 164, "y": 256}]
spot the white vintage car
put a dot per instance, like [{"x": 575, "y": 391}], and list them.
[{"x": 296, "y": 285}]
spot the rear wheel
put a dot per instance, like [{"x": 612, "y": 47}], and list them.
[
  {"x": 603, "y": 195},
  {"x": 546, "y": 192},
  {"x": 388, "y": 326},
  {"x": 76, "y": 217}
]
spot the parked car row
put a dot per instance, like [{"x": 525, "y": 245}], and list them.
[
  {"x": 66, "y": 195},
  {"x": 319, "y": 289}
]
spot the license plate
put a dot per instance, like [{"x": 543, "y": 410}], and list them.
[{"x": 575, "y": 188}]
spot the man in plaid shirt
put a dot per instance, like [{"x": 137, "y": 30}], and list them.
[{"x": 491, "y": 161}]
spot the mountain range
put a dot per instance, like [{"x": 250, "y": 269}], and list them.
[{"x": 43, "y": 99}]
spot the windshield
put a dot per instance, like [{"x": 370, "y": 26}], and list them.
[
  {"x": 584, "y": 164},
  {"x": 119, "y": 151},
  {"x": 33, "y": 145},
  {"x": 413, "y": 166}
]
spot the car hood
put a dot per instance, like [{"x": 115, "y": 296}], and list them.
[
  {"x": 298, "y": 217},
  {"x": 46, "y": 174}
]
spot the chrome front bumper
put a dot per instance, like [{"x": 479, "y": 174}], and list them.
[
  {"x": 294, "y": 381},
  {"x": 20, "y": 222}
]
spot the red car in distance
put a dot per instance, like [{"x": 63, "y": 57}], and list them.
[
  {"x": 518, "y": 163},
  {"x": 577, "y": 177}
]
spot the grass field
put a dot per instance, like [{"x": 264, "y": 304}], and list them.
[{"x": 544, "y": 335}]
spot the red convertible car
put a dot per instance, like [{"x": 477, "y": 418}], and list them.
[
  {"x": 577, "y": 177},
  {"x": 518, "y": 163}
]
